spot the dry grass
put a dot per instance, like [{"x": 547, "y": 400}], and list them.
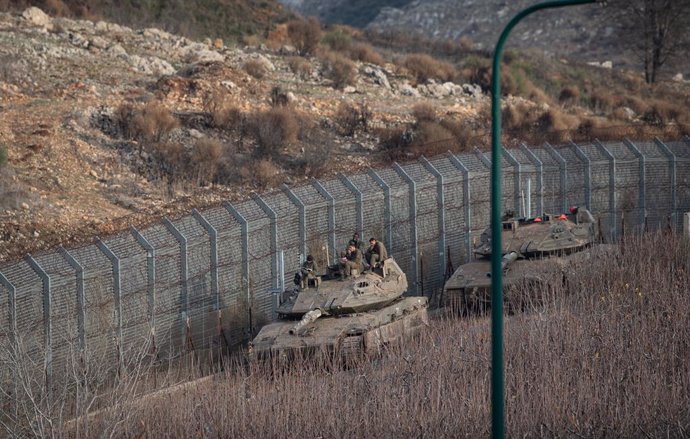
[{"x": 606, "y": 357}]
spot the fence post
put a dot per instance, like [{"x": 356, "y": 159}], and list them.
[
  {"x": 184, "y": 279},
  {"x": 413, "y": 225},
  {"x": 14, "y": 339},
  {"x": 642, "y": 180},
  {"x": 360, "y": 203},
  {"x": 482, "y": 157},
  {"x": 612, "y": 187},
  {"x": 588, "y": 173},
  {"x": 563, "y": 166},
  {"x": 302, "y": 219},
  {"x": 117, "y": 296},
  {"x": 441, "y": 203},
  {"x": 460, "y": 166},
  {"x": 672, "y": 164},
  {"x": 387, "y": 207},
  {"x": 213, "y": 244},
  {"x": 517, "y": 182},
  {"x": 331, "y": 215},
  {"x": 245, "y": 256},
  {"x": 81, "y": 304},
  {"x": 47, "y": 323},
  {"x": 539, "y": 166},
  {"x": 150, "y": 279},
  {"x": 275, "y": 263}
]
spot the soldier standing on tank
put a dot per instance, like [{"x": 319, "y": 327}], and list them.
[
  {"x": 376, "y": 253},
  {"x": 352, "y": 260}
]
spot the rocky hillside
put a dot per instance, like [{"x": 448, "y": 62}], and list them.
[
  {"x": 103, "y": 125},
  {"x": 582, "y": 32},
  {"x": 72, "y": 174}
]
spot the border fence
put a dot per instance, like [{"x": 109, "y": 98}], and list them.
[{"x": 207, "y": 280}]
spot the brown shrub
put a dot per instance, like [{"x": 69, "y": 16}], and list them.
[
  {"x": 637, "y": 104},
  {"x": 424, "y": 112},
  {"x": 255, "y": 68},
  {"x": 365, "y": 53},
  {"x": 300, "y": 66},
  {"x": 337, "y": 40},
  {"x": 305, "y": 34},
  {"x": 569, "y": 95},
  {"x": 601, "y": 100},
  {"x": 466, "y": 43},
  {"x": 274, "y": 129},
  {"x": 464, "y": 135},
  {"x": 149, "y": 124},
  {"x": 261, "y": 173},
  {"x": 662, "y": 113},
  {"x": 278, "y": 36},
  {"x": 350, "y": 117},
  {"x": 432, "y": 138},
  {"x": 221, "y": 110},
  {"x": 423, "y": 67},
  {"x": 340, "y": 70},
  {"x": 204, "y": 160},
  {"x": 395, "y": 140}
]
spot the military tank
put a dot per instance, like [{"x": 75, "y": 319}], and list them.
[
  {"x": 536, "y": 253},
  {"x": 346, "y": 318}
]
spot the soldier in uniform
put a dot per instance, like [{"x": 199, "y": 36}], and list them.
[
  {"x": 376, "y": 253},
  {"x": 356, "y": 241},
  {"x": 352, "y": 260},
  {"x": 308, "y": 270}
]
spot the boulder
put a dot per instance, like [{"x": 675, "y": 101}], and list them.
[
  {"x": 37, "y": 17},
  {"x": 197, "y": 53},
  {"x": 408, "y": 90},
  {"x": 379, "y": 77}
]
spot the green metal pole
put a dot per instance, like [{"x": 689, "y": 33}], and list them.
[{"x": 497, "y": 381}]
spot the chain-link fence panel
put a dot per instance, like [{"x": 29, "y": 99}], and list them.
[
  {"x": 575, "y": 178},
  {"x": 261, "y": 261},
  {"x": 375, "y": 220},
  {"x": 553, "y": 192},
  {"x": 289, "y": 237},
  {"x": 401, "y": 246},
  {"x": 99, "y": 313},
  {"x": 455, "y": 209},
  {"x": 681, "y": 150},
  {"x": 528, "y": 184},
  {"x": 232, "y": 285},
  {"x": 426, "y": 222},
  {"x": 627, "y": 184},
  {"x": 346, "y": 212},
  {"x": 169, "y": 298},
  {"x": 63, "y": 319},
  {"x": 658, "y": 181},
  {"x": 317, "y": 225},
  {"x": 601, "y": 188}
]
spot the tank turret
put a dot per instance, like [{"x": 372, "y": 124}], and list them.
[{"x": 534, "y": 251}]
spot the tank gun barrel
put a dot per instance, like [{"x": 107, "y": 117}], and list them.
[
  {"x": 507, "y": 261},
  {"x": 308, "y": 318}
]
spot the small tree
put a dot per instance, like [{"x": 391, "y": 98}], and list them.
[
  {"x": 305, "y": 34},
  {"x": 656, "y": 30}
]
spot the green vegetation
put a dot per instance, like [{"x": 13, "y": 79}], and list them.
[{"x": 3, "y": 155}]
